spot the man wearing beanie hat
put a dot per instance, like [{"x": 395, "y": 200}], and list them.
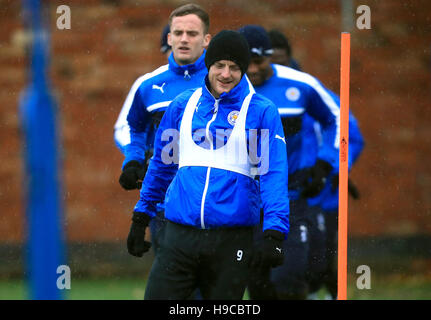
[
  {"x": 228, "y": 45},
  {"x": 299, "y": 97},
  {"x": 212, "y": 146}
]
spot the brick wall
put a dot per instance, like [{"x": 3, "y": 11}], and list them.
[{"x": 112, "y": 42}]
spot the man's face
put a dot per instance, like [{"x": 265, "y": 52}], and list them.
[
  {"x": 223, "y": 76},
  {"x": 279, "y": 56},
  {"x": 187, "y": 38},
  {"x": 259, "y": 70}
]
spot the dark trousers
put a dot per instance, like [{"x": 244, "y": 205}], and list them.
[
  {"x": 331, "y": 274},
  {"x": 290, "y": 280},
  {"x": 215, "y": 261},
  {"x": 157, "y": 226},
  {"x": 287, "y": 281},
  {"x": 318, "y": 242}
]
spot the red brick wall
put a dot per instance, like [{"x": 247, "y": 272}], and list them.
[{"x": 112, "y": 42}]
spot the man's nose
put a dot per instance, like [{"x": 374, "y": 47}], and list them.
[
  {"x": 225, "y": 73},
  {"x": 184, "y": 37},
  {"x": 252, "y": 68}
]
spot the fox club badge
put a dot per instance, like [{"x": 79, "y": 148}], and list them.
[
  {"x": 293, "y": 94},
  {"x": 232, "y": 117}
]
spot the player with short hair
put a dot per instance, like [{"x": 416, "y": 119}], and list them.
[{"x": 152, "y": 93}]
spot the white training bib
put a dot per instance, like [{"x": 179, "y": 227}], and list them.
[{"x": 232, "y": 156}]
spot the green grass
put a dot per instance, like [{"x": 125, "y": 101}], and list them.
[
  {"x": 83, "y": 289},
  {"x": 393, "y": 287},
  {"x": 107, "y": 289},
  {"x": 13, "y": 289}
]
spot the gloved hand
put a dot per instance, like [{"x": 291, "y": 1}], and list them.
[
  {"x": 317, "y": 179},
  {"x": 269, "y": 252},
  {"x": 136, "y": 243},
  {"x": 351, "y": 187},
  {"x": 132, "y": 175}
]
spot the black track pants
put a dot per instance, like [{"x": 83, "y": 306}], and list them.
[{"x": 214, "y": 261}]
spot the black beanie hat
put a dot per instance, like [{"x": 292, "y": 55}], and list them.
[
  {"x": 228, "y": 45},
  {"x": 257, "y": 39}
]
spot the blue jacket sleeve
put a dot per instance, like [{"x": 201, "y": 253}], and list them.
[
  {"x": 164, "y": 163},
  {"x": 139, "y": 121},
  {"x": 121, "y": 127},
  {"x": 273, "y": 183},
  {"x": 323, "y": 105}
]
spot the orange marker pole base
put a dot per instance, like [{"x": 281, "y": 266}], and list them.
[{"x": 344, "y": 170}]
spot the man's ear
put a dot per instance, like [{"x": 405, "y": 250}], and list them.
[
  {"x": 207, "y": 39},
  {"x": 169, "y": 39}
]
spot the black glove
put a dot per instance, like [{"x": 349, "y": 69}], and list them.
[
  {"x": 351, "y": 187},
  {"x": 316, "y": 179},
  {"x": 132, "y": 175},
  {"x": 136, "y": 243},
  {"x": 269, "y": 252}
]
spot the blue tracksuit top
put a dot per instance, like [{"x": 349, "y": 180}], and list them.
[
  {"x": 296, "y": 93},
  {"x": 148, "y": 99},
  {"x": 328, "y": 198},
  {"x": 205, "y": 197}
]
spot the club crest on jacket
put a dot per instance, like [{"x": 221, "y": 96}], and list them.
[
  {"x": 232, "y": 117},
  {"x": 293, "y": 94}
]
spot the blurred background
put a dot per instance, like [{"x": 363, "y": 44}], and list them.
[{"x": 111, "y": 43}]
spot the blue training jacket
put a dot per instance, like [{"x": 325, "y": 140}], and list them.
[
  {"x": 146, "y": 102},
  {"x": 328, "y": 198},
  {"x": 205, "y": 197},
  {"x": 295, "y": 94}
]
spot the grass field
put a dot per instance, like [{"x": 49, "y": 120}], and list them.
[
  {"x": 83, "y": 289},
  {"x": 393, "y": 287}
]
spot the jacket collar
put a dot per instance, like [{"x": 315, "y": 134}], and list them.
[
  {"x": 236, "y": 95},
  {"x": 189, "y": 69}
]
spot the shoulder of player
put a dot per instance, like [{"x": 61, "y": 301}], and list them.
[
  {"x": 284, "y": 73},
  {"x": 262, "y": 104},
  {"x": 180, "y": 101},
  {"x": 153, "y": 77}
]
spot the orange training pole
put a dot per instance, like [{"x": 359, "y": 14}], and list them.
[{"x": 343, "y": 174}]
